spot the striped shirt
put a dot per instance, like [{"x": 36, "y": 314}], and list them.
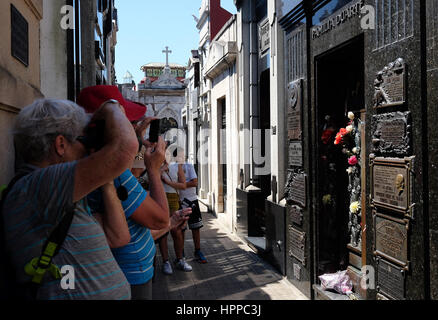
[
  {"x": 137, "y": 257},
  {"x": 31, "y": 211}
]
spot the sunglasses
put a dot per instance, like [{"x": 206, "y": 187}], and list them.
[{"x": 85, "y": 141}]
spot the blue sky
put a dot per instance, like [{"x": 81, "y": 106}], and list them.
[{"x": 146, "y": 27}]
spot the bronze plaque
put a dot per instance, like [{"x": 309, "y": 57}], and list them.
[
  {"x": 296, "y": 154},
  {"x": 294, "y": 102},
  {"x": 297, "y": 271},
  {"x": 391, "y": 239},
  {"x": 389, "y": 85},
  {"x": 391, "y": 183},
  {"x": 390, "y": 280},
  {"x": 296, "y": 215},
  {"x": 392, "y": 134},
  {"x": 297, "y": 243},
  {"x": 296, "y": 187}
]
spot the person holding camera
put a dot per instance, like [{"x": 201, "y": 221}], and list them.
[
  {"x": 189, "y": 199},
  {"x": 144, "y": 211},
  {"x": 54, "y": 181}
]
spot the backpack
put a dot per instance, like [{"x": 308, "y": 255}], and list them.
[{"x": 10, "y": 288}]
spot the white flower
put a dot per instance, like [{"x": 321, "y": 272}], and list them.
[
  {"x": 350, "y": 170},
  {"x": 354, "y": 150},
  {"x": 354, "y": 207},
  {"x": 349, "y": 128},
  {"x": 351, "y": 115}
]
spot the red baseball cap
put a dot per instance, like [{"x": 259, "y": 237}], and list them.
[{"x": 91, "y": 98}]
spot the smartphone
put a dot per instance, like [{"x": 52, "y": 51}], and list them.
[
  {"x": 189, "y": 203},
  {"x": 154, "y": 131}
]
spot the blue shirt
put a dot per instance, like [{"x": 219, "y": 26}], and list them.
[{"x": 137, "y": 257}]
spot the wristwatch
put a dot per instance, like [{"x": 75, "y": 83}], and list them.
[{"x": 110, "y": 101}]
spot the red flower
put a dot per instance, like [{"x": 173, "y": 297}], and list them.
[
  {"x": 342, "y": 132},
  {"x": 327, "y": 135},
  {"x": 352, "y": 161}
]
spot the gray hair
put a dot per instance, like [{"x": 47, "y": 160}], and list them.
[{"x": 38, "y": 124}]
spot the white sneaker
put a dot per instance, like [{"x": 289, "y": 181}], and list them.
[
  {"x": 167, "y": 268},
  {"x": 183, "y": 265}
]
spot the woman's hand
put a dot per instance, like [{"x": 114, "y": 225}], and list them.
[
  {"x": 154, "y": 157},
  {"x": 179, "y": 218}
]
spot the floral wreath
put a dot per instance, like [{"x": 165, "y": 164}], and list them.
[{"x": 346, "y": 138}]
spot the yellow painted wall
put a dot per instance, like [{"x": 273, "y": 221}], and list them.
[{"x": 19, "y": 84}]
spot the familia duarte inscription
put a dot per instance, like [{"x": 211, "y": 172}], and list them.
[{"x": 349, "y": 12}]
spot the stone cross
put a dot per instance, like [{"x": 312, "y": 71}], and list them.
[{"x": 167, "y": 51}]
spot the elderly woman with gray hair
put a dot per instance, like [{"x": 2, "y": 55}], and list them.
[{"x": 58, "y": 175}]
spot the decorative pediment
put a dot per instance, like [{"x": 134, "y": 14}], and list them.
[{"x": 167, "y": 80}]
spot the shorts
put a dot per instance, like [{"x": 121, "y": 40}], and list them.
[
  {"x": 141, "y": 291},
  {"x": 173, "y": 201},
  {"x": 195, "y": 220}
]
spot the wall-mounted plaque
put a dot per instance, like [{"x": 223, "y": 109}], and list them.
[
  {"x": 296, "y": 215},
  {"x": 391, "y": 186},
  {"x": 294, "y": 103},
  {"x": 392, "y": 134},
  {"x": 19, "y": 36},
  {"x": 391, "y": 239},
  {"x": 296, "y": 153},
  {"x": 296, "y": 188},
  {"x": 264, "y": 38},
  {"x": 389, "y": 85},
  {"x": 297, "y": 244},
  {"x": 390, "y": 280},
  {"x": 297, "y": 271}
]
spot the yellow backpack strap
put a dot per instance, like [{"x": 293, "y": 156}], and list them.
[{"x": 38, "y": 267}]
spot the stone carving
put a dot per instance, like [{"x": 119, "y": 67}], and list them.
[
  {"x": 389, "y": 85},
  {"x": 392, "y": 134}
]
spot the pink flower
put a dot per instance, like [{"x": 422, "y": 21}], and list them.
[{"x": 352, "y": 161}]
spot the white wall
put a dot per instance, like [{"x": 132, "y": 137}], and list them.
[
  {"x": 225, "y": 85},
  {"x": 278, "y": 146},
  {"x": 53, "y": 44}
]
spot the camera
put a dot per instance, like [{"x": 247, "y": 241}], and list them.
[
  {"x": 189, "y": 204},
  {"x": 94, "y": 135},
  {"x": 154, "y": 130}
]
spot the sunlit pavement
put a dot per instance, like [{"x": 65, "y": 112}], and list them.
[{"x": 233, "y": 271}]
